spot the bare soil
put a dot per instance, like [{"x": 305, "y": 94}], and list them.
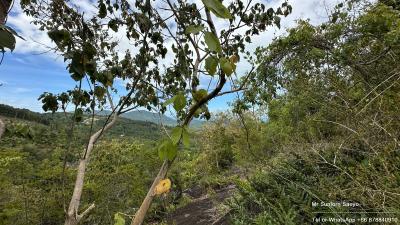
[{"x": 203, "y": 210}]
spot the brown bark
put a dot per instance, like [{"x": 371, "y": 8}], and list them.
[
  {"x": 73, "y": 217},
  {"x": 4, "y": 7},
  {"x": 141, "y": 213}
]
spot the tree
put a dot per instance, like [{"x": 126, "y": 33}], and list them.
[
  {"x": 200, "y": 50},
  {"x": 338, "y": 84},
  {"x": 7, "y": 34}
]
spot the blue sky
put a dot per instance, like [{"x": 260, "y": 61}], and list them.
[{"x": 28, "y": 72}]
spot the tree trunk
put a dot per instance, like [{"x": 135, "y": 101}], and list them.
[
  {"x": 4, "y": 7},
  {"x": 72, "y": 217},
  {"x": 141, "y": 213},
  {"x": 2, "y": 128}
]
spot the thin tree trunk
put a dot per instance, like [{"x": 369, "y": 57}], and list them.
[
  {"x": 4, "y": 7},
  {"x": 141, "y": 213},
  {"x": 2, "y": 128},
  {"x": 73, "y": 217}
]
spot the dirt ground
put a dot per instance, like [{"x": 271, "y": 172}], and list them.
[{"x": 203, "y": 210}]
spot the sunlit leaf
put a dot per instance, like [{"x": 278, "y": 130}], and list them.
[
  {"x": 194, "y": 29},
  {"x": 176, "y": 134},
  {"x": 212, "y": 42},
  {"x": 179, "y": 102},
  {"x": 216, "y": 7},
  {"x": 169, "y": 101},
  {"x": 167, "y": 150},
  {"x": 118, "y": 219},
  {"x": 200, "y": 94},
  {"x": 211, "y": 64},
  {"x": 226, "y": 66}
]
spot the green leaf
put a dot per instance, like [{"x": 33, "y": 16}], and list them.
[
  {"x": 194, "y": 29},
  {"x": 185, "y": 137},
  {"x": 60, "y": 37},
  {"x": 171, "y": 151},
  {"x": 169, "y": 101},
  {"x": 277, "y": 21},
  {"x": 211, "y": 64},
  {"x": 179, "y": 102},
  {"x": 197, "y": 113},
  {"x": 167, "y": 150},
  {"x": 212, "y": 42},
  {"x": 7, "y": 40},
  {"x": 89, "y": 50},
  {"x": 118, "y": 219},
  {"x": 113, "y": 25},
  {"x": 216, "y": 7},
  {"x": 200, "y": 94},
  {"x": 226, "y": 66},
  {"x": 78, "y": 115},
  {"x": 12, "y": 31},
  {"x": 102, "y": 10},
  {"x": 162, "y": 152},
  {"x": 176, "y": 134},
  {"x": 99, "y": 92}
]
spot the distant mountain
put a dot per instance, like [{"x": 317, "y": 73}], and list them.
[
  {"x": 143, "y": 115},
  {"x": 138, "y": 128}
]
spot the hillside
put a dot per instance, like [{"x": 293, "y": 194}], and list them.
[
  {"x": 124, "y": 126},
  {"x": 143, "y": 115}
]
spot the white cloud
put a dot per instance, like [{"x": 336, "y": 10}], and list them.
[
  {"x": 37, "y": 41},
  {"x": 20, "y": 90}
]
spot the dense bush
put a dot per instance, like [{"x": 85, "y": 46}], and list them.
[{"x": 331, "y": 93}]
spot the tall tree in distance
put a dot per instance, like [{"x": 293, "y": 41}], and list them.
[{"x": 205, "y": 44}]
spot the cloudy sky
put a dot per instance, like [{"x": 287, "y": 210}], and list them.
[{"x": 30, "y": 70}]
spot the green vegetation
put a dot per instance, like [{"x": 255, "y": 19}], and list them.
[
  {"x": 318, "y": 121},
  {"x": 9, "y": 111}
]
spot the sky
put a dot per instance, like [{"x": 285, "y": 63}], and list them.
[{"x": 31, "y": 70}]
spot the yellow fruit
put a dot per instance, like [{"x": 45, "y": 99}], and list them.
[{"x": 163, "y": 187}]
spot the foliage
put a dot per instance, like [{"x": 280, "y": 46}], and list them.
[
  {"x": 7, "y": 38},
  {"x": 25, "y": 114},
  {"x": 118, "y": 178},
  {"x": 32, "y": 170},
  {"x": 330, "y": 91},
  {"x": 90, "y": 50}
]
